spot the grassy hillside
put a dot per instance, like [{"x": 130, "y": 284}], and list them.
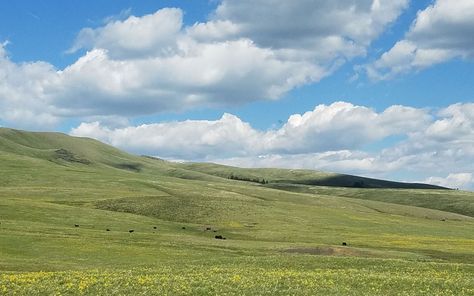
[
  {"x": 282, "y": 238},
  {"x": 306, "y": 177},
  {"x": 455, "y": 201}
]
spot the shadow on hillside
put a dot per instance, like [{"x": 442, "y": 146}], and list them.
[{"x": 352, "y": 182}]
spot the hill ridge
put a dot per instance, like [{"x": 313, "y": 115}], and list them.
[{"x": 88, "y": 151}]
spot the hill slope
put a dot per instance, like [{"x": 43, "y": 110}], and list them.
[
  {"x": 61, "y": 148},
  {"x": 305, "y": 177},
  {"x": 38, "y": 157}
]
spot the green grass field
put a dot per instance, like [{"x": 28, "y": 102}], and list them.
[{"x": 283, "y": 236}]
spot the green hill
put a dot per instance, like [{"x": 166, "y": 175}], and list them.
[
  {"x": 304, "y": 177},
  {"x": 68, "y": 207},
  {"x": 62, "y": 149}
]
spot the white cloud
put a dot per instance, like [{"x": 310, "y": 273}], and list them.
[
  {"x": 460, "y": 180},
  {"x": 308, "y": 23},
  {"x": 202, "y": 76},
  {"x": 440, "y": 32},
  {"x": 447, "y": 143},
  {"x": 135, "y": 37},
  {"x": 190, "y": 139},
  {"x": 154, "y": 63},
  {"x": 342, "y": 126},
  {"x": 240, "y": 55},
  {"x": 22, "y": 96},
  {"x": 334, "y": 127},
  {"x": 325, "y": 33}
]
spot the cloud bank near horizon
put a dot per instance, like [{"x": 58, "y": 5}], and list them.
[{"x": 332, "y": 137}]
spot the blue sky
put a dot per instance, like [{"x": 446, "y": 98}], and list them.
[{"x": 386, "y": 87}]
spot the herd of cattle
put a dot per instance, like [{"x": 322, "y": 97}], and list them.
[{"x": 154, "y": 227}]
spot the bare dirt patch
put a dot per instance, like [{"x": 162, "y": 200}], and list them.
[{"x": 328, "y": 251}]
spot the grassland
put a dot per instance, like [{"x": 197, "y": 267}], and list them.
[{"x": 282, "y": 238}]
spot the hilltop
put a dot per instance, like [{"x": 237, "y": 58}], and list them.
[{"x": 63, "y": 149}]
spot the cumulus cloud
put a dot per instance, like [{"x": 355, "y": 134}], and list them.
[
  {"x": 135, "y": 37},
  {"x": 154, "y": 63},
  {"x": 203, "y": 77},
  {"x": 239, "y": 55},
  {"x": 308, "y": 23},
  {"x": 190, "y": 139},
  {"x": 448, "y": 142},
  {"x": 460, "y": 180},
  {"x": 328, "y": 127},
  {"x": 22, "y": 96},
  {"x": 341, "y": 125},
  {"x": 330, "y": 137},
  {"x": 439, "y": 33}
]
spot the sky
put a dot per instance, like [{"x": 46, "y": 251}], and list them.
[{"x": 378, "y": 88}]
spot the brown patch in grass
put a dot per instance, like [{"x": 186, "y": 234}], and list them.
[{"x": 328, "y": 251}]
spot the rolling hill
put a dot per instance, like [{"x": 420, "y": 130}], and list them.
[
  {"x": 74, "y": 208},
  {"x": 63, "y": 149},
  {"x": 301, "y": 177}
]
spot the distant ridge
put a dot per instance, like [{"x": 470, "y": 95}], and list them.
[
  {"x": 279, "y": 178},
  {"x": 63, "y": 149}
]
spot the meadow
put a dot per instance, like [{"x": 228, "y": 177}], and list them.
[
  {"x": 68, "y": 206},
  {"x": 272, "y": 275}
]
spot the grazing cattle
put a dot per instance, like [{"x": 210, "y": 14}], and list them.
[
  {"x": 344, "y": 243},
  {"x": 131, "y": 230},
  {"x": 76, "y": 225},
  {"x": 208, "y": 228},
  {"x": 183, "y": 227},
  {"x": 219, "y": 237},
  {"x": 154, "y": 227},
  {"x": 107, "y": 229}
]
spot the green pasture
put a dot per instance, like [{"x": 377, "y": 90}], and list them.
[{"x": 67, "y": 206}]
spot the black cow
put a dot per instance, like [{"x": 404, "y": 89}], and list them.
[
  {"x": 344, "y": 243},
  {"x": 131, "y": 230},
  {"x": 76, "y": 225},
  {"x": 219, "y": 237}
]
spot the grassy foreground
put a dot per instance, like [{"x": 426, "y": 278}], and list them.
[
  {"x": 289, "y": 275},
  {"x": 283, "y": 237}
]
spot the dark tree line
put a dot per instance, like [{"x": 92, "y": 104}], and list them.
[{"x": 248, "y": 179}]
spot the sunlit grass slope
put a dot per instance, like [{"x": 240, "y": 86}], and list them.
[
  {"x": 305, "y": 177},
  {"x": 284, "y": 239}
]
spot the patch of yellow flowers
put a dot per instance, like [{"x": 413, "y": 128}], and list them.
[{"x": 232, "y": 280}]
